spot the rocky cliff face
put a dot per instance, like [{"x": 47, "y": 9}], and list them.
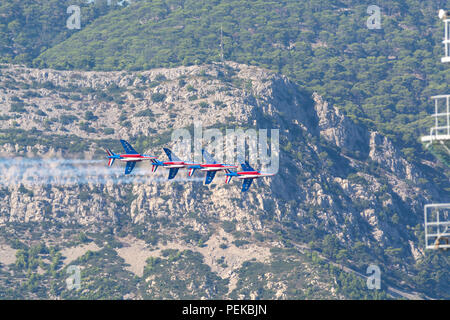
[{"x": 336, "y": 178}]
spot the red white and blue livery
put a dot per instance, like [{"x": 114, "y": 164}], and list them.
[
  {"x": 130, "y": 157},
  {"x": 248, "y": 174},
  {"x": 174, "y": 164},
  {"x": 211, "y": 167}
]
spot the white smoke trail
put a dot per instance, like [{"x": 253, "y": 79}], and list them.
[{"x": 66, "y": 172}]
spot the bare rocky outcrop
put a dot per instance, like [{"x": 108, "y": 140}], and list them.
[
  {"x": 339, "y": 129},
  {"x": 336, "y": 192},
  {"x": 384, "y": 152}
]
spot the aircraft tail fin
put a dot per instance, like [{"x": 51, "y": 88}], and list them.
[
  {"x": 155, "y": 164},
  {"x": 228, "y": 176},
  {"x": 110, "y": 159},
  {"x": 191, "y": 172}
]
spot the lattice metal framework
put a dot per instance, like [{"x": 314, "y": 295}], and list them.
[
  {"x": 446, "y": 41},
  {"x": 437, "y": 226},
  {"x": 441, "y": 129}
]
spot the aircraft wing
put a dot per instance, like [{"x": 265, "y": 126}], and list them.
[
  {"x": 244, "y": 164},
  {"x": 129, "y": 167},
  {"x": 210, "y": 176},
  {"x": 127, "y": 147},
  {"x": 173, "y": 172},
  {"x": 110, "y": 162},
  {"x": 247, "y": 183},
  {"x": 171, "y": 155}
]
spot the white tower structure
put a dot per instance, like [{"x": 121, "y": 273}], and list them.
[
  {"x": 445, "y": 16},
  {"x": 437, "y": 216}
]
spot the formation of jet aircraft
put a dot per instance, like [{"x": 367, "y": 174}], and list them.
[{"x": 211, "y": 166}]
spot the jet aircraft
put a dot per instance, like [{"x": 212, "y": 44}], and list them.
[
  {"x": 211, "y": 167},
  {"x": 174, "y": 164},
  {"x": 248, "y": 174},
  {"x": 130, "y": 157}
]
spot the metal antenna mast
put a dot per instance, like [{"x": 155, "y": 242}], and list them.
[{"x": 221, "y": 43}]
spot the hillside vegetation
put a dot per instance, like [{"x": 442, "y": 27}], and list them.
[{"x": 381, "y": 77}]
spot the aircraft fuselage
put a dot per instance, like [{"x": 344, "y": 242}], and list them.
[
  {"x": 252, "y": 174},
  {"x": 176, "y": 164},
  {"x": 216, "y": 167},
  {"x": 133, "y": 157}
]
